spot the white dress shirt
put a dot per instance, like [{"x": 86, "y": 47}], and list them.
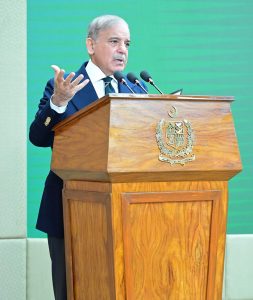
[{"x": 96, "y": 77}]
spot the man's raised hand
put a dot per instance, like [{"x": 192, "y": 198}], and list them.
[{"x": 65, "y": 89}]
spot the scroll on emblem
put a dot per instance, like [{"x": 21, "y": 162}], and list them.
[{"x": 175, "y": 141}]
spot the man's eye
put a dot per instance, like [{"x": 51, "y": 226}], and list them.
[
  {"x": 114, "y": 42},
  {"x": 127, "y": 44}
]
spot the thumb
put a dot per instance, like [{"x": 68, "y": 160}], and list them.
[{"x": 56, "y": 70}]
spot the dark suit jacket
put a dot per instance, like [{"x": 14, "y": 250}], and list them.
[{"x": 50, "y": 218}]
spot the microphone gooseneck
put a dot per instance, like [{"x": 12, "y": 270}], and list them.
[
  {"x": 146, "y": 77},
  {"x": 120, "y": 78},
  {"x": 132, "y": 78}
]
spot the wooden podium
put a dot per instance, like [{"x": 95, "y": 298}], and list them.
[{"x": 145, "y": 196}]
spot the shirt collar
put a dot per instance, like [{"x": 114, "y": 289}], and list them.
[{"x": 95, "y": 73}]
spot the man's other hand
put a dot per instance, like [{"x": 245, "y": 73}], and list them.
[{"x": 65, "y": 89}]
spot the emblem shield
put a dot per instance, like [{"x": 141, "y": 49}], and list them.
[{"x": 175, "y": 141}]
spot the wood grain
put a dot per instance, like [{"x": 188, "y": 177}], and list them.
[
  {"x": 166, "y": 242},
  {"x": 136, "y": 227},
  {"x": 151, "y": 240},
  {"x": 89, "y": 245},
  {"x": 117, "y": 141},
  {"x": 212, "y": 228}
]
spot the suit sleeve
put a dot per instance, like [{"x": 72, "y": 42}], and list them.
[{"x": 41, "y": 133}]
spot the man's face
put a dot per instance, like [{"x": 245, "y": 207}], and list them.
[{"x": 110, "y": 50}]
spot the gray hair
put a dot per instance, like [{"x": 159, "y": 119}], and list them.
[{"x": 102, "y": 23}]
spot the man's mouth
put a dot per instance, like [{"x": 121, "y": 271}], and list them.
[{"x": 119, "y": 59}]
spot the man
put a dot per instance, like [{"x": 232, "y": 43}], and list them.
[{"x": 107, "y": 45}]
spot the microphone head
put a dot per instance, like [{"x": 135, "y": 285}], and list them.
[
  {"x": 118, "y": 75},
  {"x": 145, "y": 76},
  {"x": 132, "y": 78}
]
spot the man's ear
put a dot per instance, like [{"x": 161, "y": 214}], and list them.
[{"x": 89, "y": 46}]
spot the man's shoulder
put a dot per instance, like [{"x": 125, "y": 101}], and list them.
[{"x": 82, "y": 69}]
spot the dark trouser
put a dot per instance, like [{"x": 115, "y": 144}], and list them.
[{"x": 57, "y": 254}]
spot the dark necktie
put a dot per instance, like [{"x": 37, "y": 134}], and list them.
[{"x": 108, "y": 86}]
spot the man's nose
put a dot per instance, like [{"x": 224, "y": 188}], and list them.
[{"x": 122, "y": 48}]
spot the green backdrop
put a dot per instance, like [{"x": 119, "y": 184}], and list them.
[{"x": 202, "y": 46}]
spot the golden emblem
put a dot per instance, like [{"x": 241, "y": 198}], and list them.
[
  {"x": 175, "y": 141},
  {"x": 172, "y": 112},
  {"x": 48, "y": 120}
]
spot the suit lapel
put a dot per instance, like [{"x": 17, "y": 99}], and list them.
[{"x": 86, "y": 95}]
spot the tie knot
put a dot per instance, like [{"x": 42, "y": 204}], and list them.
[
  {"x": 107, "y": 79},
  {"x": 108, "y": 85}
]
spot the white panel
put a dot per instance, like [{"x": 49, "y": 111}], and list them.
[
  {"x": 39, "y": 283},
  {"x": 13, "y": 118},
  {"x": 13, "y": 269},
  {"x": 238, "y": 273},
  {"x": 239, "y": 267}
]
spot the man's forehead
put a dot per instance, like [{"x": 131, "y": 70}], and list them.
[{"x": 116, "y": 30}]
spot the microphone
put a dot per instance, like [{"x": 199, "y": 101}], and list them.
[
  {"x": 132, "y": 78},
  {"x": 120, "y": 77},
  {"x": 146, "y": 77}
]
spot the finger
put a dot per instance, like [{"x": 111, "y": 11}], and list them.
[
  {"x": 58, "y": 73},
  {"x": 77, "y": 80},
  {"x": 62, "y": 72},
  {"x": 82, "y": 85},
  {"x": 59, "y": 78},
  {"x": 69, "y": 78},
  {"x": 56, "y": 70}
]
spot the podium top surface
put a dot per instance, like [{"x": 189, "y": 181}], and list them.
[
  {"x": 130, "y": 137},
  {"x": 143, "y": 97}
]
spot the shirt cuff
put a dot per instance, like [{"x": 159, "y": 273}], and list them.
[{"x": 58, "y": 109}]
